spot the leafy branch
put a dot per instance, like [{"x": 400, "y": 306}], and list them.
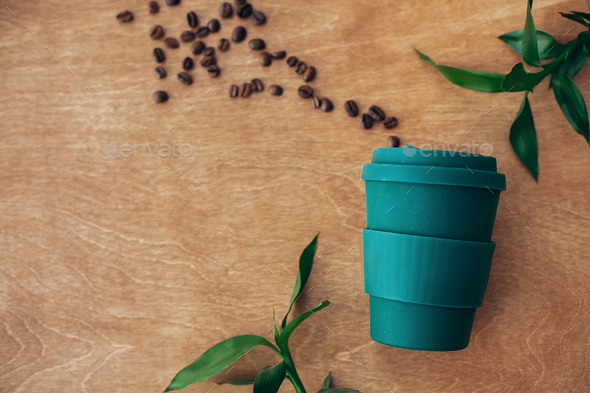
[
  {"x": 270, "y": 378},
  {"x": 534, "y": 45}
]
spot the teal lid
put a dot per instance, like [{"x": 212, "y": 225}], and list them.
[{"x": 440, "y": 167}]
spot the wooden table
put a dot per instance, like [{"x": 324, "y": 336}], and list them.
[{"x": 116, "y": 273}]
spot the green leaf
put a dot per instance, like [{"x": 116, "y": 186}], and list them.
[
  {"x": 584, "y": 38},
  {"x": 530, "y": 48},
  {"x": 305, "y": 264},
  {"x": 572, "y": 103},
  {"x": 269, "y": 380},
  {"x": 338, "y": 391},
  {"x": 215, "y": 359},
  {"x": 523, "y": 137},
  {"x": 326, "y": 384},
  {"x": 547, "y": 45},
  {"x": 575, "y": 61},
  {"x": 584, "y": 15},
  {"x": 575, "y": 18},
  {"x": 239, "y": 382},
  {"x": 286, "y": 333},
  {"x": 520, "y": 80},
  {"x": 470, "y": 79}
]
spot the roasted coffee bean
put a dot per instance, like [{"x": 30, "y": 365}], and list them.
[
  {"x": 366, "y": 121},
  {"x": 278, "y": 55},
  {"x": 187, "y": 63},
  {"x": 265, "y": 59},
  {"x": 225, "y": 10},
  {"x": 213, "y": 71},
  {"x": 160, "y": 72},
  {"x": 214, "y": 25},
  {"x": 125, "y": 16},
  {"x": 185, "y": 78},
  {"x": 257, "y": 44},
  {"x": 246, "y": 90},
  {"x": 171, "y": 43},
  {"x": 188, "y": 36},
  {"x": 351, "y": 109},
  {"x": 233, "y": 91},
  {"x": 209, "y": 51},
  {"x": 154, "y": 7},
  {"x": 160, "y": 96},
  {"x": 376, "y": 113},
  {"x": 327, "y": 105},
  {"x": 156, "y": 32},
  {"x": 158, "y": 55},
  {"x": 192, "y": 19},
  {"x": 239, "y": 34},
  {"x": 202, "y": 31},
  {"x": 309, "y": 74},
  {"x": 305, "y": 91},
  {"x": 393, "y": 141},
  {"x": 257, "y": 18},
  {"x": 316, "y": 102},
  {"x": 292, "y": 61},
  {"x": 198, "y": 47},
  {"x": 208, "y": 61},
  {"x": 240, "y": 2},
  {"x": 257, "y": 85},
  {"x": 172, "y": 2},
  {"x": 301, "y": 68},
  {"x": 390, "y": 122},
  {"x": 223, "y": 45},
  {"x": 244, "y": 11},
  {"x": 275, "y": 90}
]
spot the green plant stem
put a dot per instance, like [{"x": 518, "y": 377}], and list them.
[{"x": 295, "y": 380}]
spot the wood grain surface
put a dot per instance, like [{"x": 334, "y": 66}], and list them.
[{"x": 116, "y": 273}]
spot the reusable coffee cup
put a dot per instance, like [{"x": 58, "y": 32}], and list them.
[{"x": 426, "y": 249}]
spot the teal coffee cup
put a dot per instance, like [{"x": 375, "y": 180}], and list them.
[{"x": 426, "y": 250}]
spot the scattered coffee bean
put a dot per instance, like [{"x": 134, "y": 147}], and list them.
[
  {"x": 156, "y": 32},
  {"x": 225, "y": 10},
  {"x": 351, "y": 109},
  {"x": 327, "y": 105},
  {"x": 292, "y": 61},
  {"x": 240, "y": 2},
  {"x": 158, "y": 55},
  {"x": 244, "y": 11},
  {"x": 366, "y": 121},
  {"x": 275, "y": 90},
  {"x": 171, "y": 43},
  {"x": 309, "y": 74},
  {"x": 246, "y": 90},
  {"x": 202, "y": 31},
  {"x": 223, "y": 45},
  {"x": 209, "y": 51},
  {"x": 265, "y": 59},
  {"x": 233, "y": 91},
  {"x": 257, "y": 85},
  {"x": 278, "y": 55},
  {"x": 390, "y": 122},
  {"x": 213, "y": 71},
  {"x": 185, "y": 78},
  {"x": 125, "y": 16},
  {"x": 257, "y": 44},
  {"x": 214, "y": 25},
  {"x": 198, "y": 47},
  {"x": 187, "y": 63},
  {"x": 305, "y": 91},
  {"x": 172, "y": 2},
  {"x": 393, "y": 141},
  {"x": 257, "y": 18},
  {"x": 239, "y": 34},
  {"x": 376, "y": 113},
  {"x": 160, "y": 72},
  {"x": 301, "y": 68},
  {"x": 192, "y": 19},
  {"x": 208, "y": 61},
  {"x": 316, "y": 102},
  {"x": 154, "y": 7},
  {"x": 160, "y": 96},
  {"x": 188, "y": 36}
]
